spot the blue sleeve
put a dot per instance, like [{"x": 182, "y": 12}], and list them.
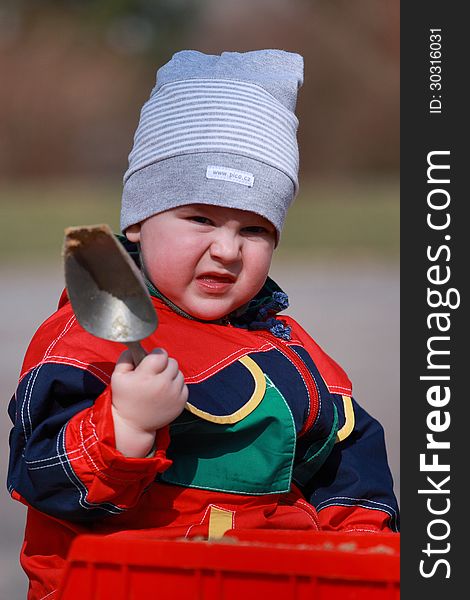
[
  {"x": 354, "y": 481},
  {"x": 40, "y": 469}
]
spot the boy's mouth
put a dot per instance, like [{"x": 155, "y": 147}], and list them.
[
  {"x": 216, "y": 282},
  {"x": 217, "y": 277}
]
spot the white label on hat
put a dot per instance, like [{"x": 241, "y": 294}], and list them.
[{"x": 227, "y": 174}]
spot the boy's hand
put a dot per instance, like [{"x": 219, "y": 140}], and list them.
[{"x": 145, "y": 398}]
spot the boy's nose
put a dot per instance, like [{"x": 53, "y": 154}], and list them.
[{"x": 226, "y": 247}]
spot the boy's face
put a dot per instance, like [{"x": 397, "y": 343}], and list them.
[{"x": 208, "y": 260}]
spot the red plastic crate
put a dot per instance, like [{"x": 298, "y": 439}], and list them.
[{"x": 248, "y": 565}]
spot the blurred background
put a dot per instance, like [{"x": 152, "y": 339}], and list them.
[{"x": 74, "y": 75}]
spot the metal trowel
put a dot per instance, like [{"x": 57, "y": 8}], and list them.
[{"x": 106, "y": 289}]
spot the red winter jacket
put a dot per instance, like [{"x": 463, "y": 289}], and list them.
[{"x": 271, "y": 438}]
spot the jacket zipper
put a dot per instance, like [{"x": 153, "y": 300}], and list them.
[{"x": 306, "y": 376}]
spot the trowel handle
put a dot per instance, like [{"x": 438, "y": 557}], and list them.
[{"x": 138, "y": 353}]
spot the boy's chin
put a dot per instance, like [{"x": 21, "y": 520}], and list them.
[
  {"x": 213, "y": 311},
  {"x": 208, "y": 315}
]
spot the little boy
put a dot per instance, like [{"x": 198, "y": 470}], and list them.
[{"x": 236, "y": 418}]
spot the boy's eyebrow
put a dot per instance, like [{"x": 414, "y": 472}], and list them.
[
  {"x": 204, "y": 208},
  {"x": 252, "y": 219}
]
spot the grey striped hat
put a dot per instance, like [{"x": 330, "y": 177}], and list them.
[{"x": 217, "y": 130}]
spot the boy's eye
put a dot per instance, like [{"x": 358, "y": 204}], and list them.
[
  {"x": 200, "y": 219},
  {"x": 255, "y": 229}
]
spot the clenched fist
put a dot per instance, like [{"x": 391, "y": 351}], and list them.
[{"x": 144, "y": 399}]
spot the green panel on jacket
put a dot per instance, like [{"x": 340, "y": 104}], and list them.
[{"x": 253, "y": 456}]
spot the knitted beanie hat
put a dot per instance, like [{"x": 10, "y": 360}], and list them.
[{"x": 217, "y": 130}]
